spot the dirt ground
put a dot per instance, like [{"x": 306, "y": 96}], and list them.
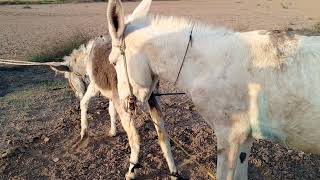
[{"x": 39, "y": 115}]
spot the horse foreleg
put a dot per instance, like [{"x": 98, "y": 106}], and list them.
[
  {"x": 113, "y": 114},
  {"x": 164, "y": 142},
  {"x": 134, "y": 143},
  {"x": 243, "y": 158},
  {"x": 227, "y": 160},
  {"x": 133, "y": 137},
  {"x": 233, "y": 147},
  {"x": 91, "y": 91}
]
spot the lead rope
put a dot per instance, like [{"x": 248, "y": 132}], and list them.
[{"x": 185, "y": 54}]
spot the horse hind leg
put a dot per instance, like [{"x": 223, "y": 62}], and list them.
[{"x": 164, "y": 142}]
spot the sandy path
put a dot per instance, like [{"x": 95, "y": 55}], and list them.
[{"x": 27, "y": 31}]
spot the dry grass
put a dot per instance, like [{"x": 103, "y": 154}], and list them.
[
  {"x": 316, "y": 27},
  {"x": 313, "y": 31},
  {"x": 57, "y": 51},
  {"x": 11, "y": 2},
  {"x": 14, "y": 2}
]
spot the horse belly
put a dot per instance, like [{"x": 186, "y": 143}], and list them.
[
  {"x": 302, "y": 129},
  {"x": 291, "y": 121}
]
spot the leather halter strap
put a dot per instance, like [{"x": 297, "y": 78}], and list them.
[
  {"x": 185, "y": 55},
  {"x": 131, "y": 99}
]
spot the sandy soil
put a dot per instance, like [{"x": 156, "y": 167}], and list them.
[{"x": 39, "y": 116}]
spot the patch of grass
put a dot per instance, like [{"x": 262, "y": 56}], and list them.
[
  {"x": 284, "y": 6},
  {"x": 316, "y": 27},
  {"x": 58, "y": 51},
  {"x": 16, "y": 2},
  {"x": 313, "y": 31},
  {"x": 26, "y": 7}
]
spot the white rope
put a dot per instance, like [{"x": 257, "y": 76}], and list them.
[{"x": 28, "y": 63}]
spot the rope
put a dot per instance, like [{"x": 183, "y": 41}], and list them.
[
  {"x": 168, "y": 94},
  {"x": 28, "y": 63},
  {"x": 176, "y": 142}
]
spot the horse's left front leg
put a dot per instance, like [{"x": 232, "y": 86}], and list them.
[
  {"x": 113, "y": 115},
  {"x": 243, "y": 158},
  {"x": 234, "y": 145},
  {"x": 134, "y": 142},
  {"x": 227, "y": 159},
  {"x": 164, "y": 142},
  {"x": 133, "y": 138}
]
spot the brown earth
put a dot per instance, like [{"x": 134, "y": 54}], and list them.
[{"x": 39, "y": 116}]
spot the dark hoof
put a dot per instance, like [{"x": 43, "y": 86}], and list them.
[
  {"x": 177, "y": 176},
  {"x": 81, "y": 143}
]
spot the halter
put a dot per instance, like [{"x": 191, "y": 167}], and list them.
[{"x": 131, "y": 99}]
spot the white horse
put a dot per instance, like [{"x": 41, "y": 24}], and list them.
[{"x": 258, "y": 84}]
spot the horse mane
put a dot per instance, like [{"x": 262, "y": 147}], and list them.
[{"x": 175, "y": 23}]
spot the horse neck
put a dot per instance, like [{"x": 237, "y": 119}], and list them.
[{"x": 165, "y": 52}]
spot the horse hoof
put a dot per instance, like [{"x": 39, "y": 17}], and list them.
[
  {"x": 80, "y": 143},
  {"x": 112, "y": 133},
  {"x": 130, "y": 176},
  {"x": 176, "y": 176},
  {"x": 83, "y": 134}
]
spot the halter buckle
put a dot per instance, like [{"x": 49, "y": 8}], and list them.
[
  {"x": 132, "y": 104},
  {"x": 122, "y": 48}
]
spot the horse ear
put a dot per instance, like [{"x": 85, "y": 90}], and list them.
[
  {"x": 115, "y": 16},
  {"x": 141, "y": 11}
]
